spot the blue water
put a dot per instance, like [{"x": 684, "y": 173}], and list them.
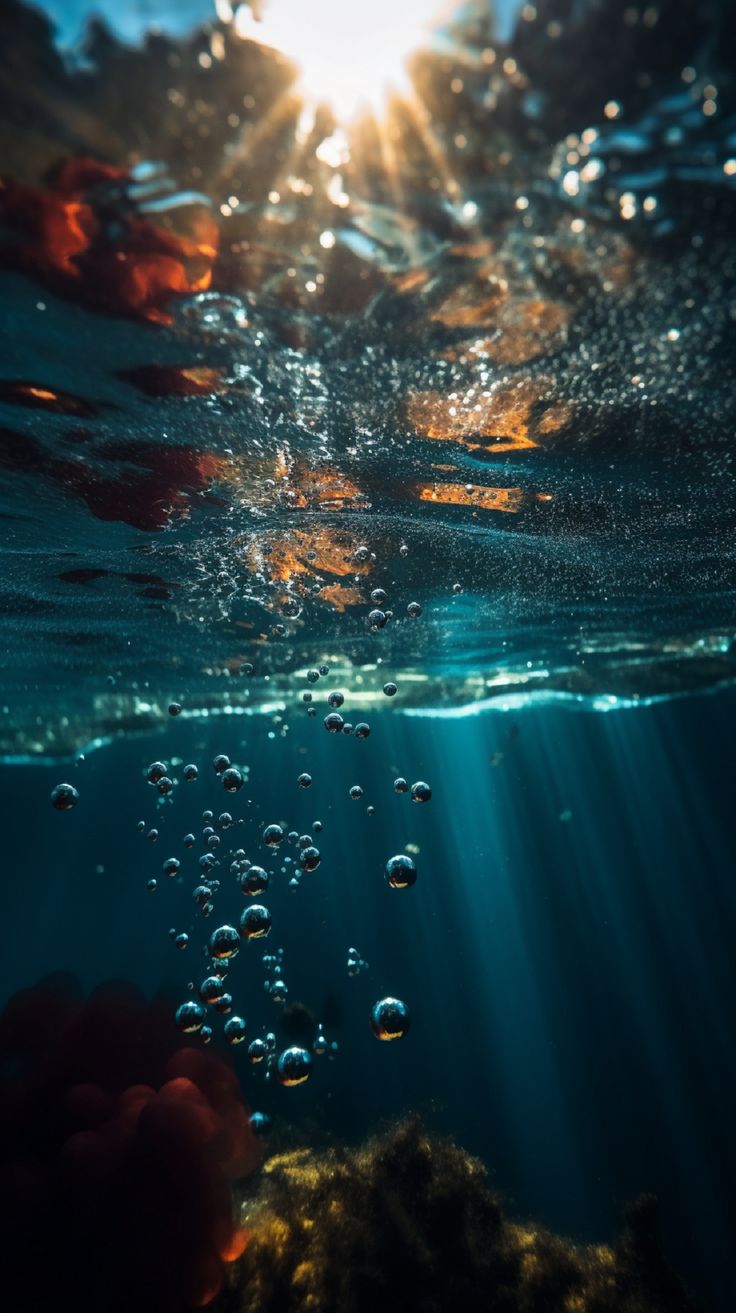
[{"x": 566, "y": 952}]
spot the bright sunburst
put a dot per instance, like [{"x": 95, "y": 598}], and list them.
[{"x": 350, "y": 55}]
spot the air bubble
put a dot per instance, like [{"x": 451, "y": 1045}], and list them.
[
  {"x": 234, "y": 1030},
  {"x": 64, "y": 797},
  {"x": 255, "y": 922},
  {"x": 190, "y": 1016},
  {"x": 232, "y": 780},
  {"x": 294, "y": 1066},
  {"x": 390, "y": 1019},
  {"x": 401, "y": 872}
]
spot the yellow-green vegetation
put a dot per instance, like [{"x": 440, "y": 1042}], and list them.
[{"x": 410, "y": 1223}]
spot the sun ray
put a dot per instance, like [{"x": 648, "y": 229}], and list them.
[{"x": 344, "y": 60}]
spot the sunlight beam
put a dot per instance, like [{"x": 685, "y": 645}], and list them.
[{"x": 348, "y": 56}]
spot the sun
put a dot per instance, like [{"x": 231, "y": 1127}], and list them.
[{"x": 349, "y": 55}]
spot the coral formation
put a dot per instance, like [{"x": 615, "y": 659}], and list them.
[
  {"x": 117, "y": 1150},
  {"x": 410, "y": 1222}
]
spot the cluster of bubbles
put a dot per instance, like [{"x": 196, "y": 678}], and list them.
[
  {"x": 334, "y": 722},
  {"x": 292, "y": 1066},
  {"x": 420, "y": 792},
  {"x": 275, "y": 984},
  {"x": 379, "y": 615},
  {"x": 211, "y": 998}
]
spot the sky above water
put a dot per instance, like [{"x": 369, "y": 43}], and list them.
[{"x": 130, "y": 18}]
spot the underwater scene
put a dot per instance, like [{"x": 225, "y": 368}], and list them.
[{"x": 368, "y": 656}]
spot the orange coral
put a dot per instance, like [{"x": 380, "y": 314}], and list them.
[{"x": 61, "y": 235}]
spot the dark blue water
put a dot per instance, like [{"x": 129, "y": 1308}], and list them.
[{"x": 566, "y": 951}]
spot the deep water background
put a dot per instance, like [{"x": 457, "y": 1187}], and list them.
[{"x": 566, "y": 953}]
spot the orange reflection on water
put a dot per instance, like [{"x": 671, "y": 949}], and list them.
[
  {"x": 509, "y": 416},
  {"x": 477, "y": 496},
  {"x": 460, "y": 310},
  {"x": 297, "y": 558},
  {"x": 40, "y": 394},
  {"x": 282, "y": 480},
  {"x": 341, "y": 596},
  {"x": 327, "y": 488},
  {"x": 519, "y": 325},
  {"x": 19, "y": 392},
  {"x": 176, "y": 380},
  {"x": 526, "y": 330}
]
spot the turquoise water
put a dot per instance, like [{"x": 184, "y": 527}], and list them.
[
  {"x": 565, "y": 951},
  {"x": 437, "y": 419}
]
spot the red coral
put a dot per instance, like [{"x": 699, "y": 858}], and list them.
[
  {"x": 61, "y": 233},
  {"x": 117, "y": 1148}
]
